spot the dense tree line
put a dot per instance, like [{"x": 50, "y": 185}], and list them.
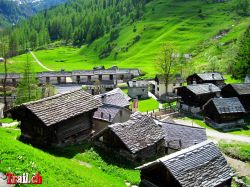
[{"x": 77, "y": 22}]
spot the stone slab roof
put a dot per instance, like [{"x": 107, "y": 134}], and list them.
[
  {"x": 199, "y": 89},
  {"x": 211, "y": 76},
  {"x": 138, "y": 133},
  {"x": 109, "y": 112},
  {"x": 54, "y": 74},
  {"x": 61, "y": 107},
  {"x": 188, "y": 135},
  {"x": 11, "y": 75},
  {"x": 228, "y": 105},
  {"x": 242, "y": 89},
  {"x": 115, "y": 97},
  {"x": 201, "y": 165}
]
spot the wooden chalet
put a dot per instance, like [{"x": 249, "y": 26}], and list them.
[
  {"x": 138, "y": 139},
  {"x": 194, "y": 96},
  {"x": 201, "y": 78},
  {"x": 201, "y": 165},
  {"x": 224, "y": 113},
  {"x": 178, "y": 136},
  {"x": 109, "y": 114},
  {"x": 242, "y": 91},
  {"x": 138, "y": 89},
  {"x": 60, "y": 119}
]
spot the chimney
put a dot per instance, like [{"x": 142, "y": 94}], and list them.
[
  {"x": 109, "y": 117},
  {"x": 102, "y": 115},
  {"x": 194, "y": 82},
  {"x": 210, "y": 88},
  {"x": 103, "y": 97},
  {"x": 212, "y": 75}
]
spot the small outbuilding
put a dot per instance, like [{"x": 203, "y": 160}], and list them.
[
  {"x": 224, "y": 113},
  {"x": 178, "y": 136},
  {"x": 139, "y": 139},
  {"x": 109, "y": 114},
  {"x": 201, "y": 78},
  {"x": 138, "y": 89},
  {"x": 194, "y": 96},
  {"x": 242, "y": 91},
  {"x": 201, "y": 165},
  {"x": 60, "y": 119}
]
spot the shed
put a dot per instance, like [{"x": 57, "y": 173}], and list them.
[
  {"x": 58, "y": 119},
  {"x": 137, "y": 139},
  {"x": 138, "y": 89},
  {"x": 109, "y": 114},
  {"x": 224, "y": 113},
  {"x": 242, "y": 91},
  {"x": 201, "y": 165}
]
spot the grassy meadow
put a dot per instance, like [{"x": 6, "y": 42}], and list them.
[
  {"x": 190, "y": 26},
  {"x": 78, "y": 165}
]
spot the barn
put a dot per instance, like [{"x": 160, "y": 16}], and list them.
[
  {"x": 224, "y": 113},
  {"x": 138, "y": 139},
  {"x": 60, "y": 119},
  {"x": 201, "y": 165}
]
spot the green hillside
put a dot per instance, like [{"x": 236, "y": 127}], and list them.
[
  {"x": 63, "y": 166},
  {"x": 192, "y": 26}
]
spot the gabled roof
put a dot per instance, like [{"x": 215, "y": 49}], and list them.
[
  {"x": 54, "y": 74},
  {"x": 109, "y": 112},
  {"x": 55, "y": 109},
  {"x": 138, "y": 133},
  {"x": 211, "y": 76},
  {"x": 172, "y": 79},
  {"x": 115, "y": 97},
  {"x": 227, "y": 105},
  {"x": 188, "y": 135},
  {"x": 139, "y": 83},
  {"x": 199, "y": 89},
  {"x": 241, "y": 89},
  {"x": 201, "y": 165}
]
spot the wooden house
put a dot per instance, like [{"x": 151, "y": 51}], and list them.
[
  {"x": 224, "y": 113},
  {"x": 109, "y": 114},
  {"x": 60, "y": 119},
  {"x": 178, "y": 136},
  {"x": 158, "y": 87},
  {"x": 194, "y": 96},
  {"x": 138, "y": 89},
  {"x": 138, "y": 139},
  {"x": 201, "y": 165},
  {"x": 201, "y": 78},
  {"x": 242, "y": 91}
]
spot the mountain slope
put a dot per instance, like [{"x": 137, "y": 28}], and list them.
[
  {"x": 12, "y": 11},
  {"x": 207, "y": 31}
]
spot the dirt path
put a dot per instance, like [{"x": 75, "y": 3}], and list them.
[
  {"x": 215, "y": 134},
  {"x": 39, "y": 63},
  {"x": 242, "y": 168}
]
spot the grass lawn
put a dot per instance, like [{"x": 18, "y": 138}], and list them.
[
  {"x": 236, "y": 150},
  {"x": 61, "y": 166},
  {"x": 148, "y": 105}
]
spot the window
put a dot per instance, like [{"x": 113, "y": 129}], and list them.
[
  {"x": 47, "y": 79},
  {"x": 100, "y": 77},
  {"x": 78, "y": 78},
  {"x": 111, "y": 77},
  {"x": 89, "y": 77}
]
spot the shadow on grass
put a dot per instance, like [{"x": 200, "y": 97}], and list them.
[{"x": 72, "y": 150}]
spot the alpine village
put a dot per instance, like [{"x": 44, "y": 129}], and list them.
[{"x": 125, "y": 93}]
